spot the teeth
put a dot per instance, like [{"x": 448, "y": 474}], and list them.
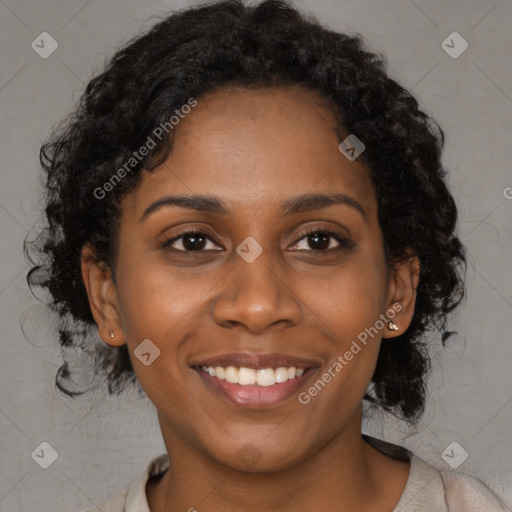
[
  {"x": 232, "y": 374},
  {"x": 247, "y": 376},
  {"x": 250, "y": 376},
  {"x": 281, "y": 374},
  {"x": 265, "y": 377}
]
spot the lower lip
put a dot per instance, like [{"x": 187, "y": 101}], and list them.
[{"x": 256, "y": 396}]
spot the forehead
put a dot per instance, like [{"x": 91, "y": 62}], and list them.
[{"x": 254, "y": 147}]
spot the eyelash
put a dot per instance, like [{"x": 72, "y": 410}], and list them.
[{"x": 343, "y": 242}]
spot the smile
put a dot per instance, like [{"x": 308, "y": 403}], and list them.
[
  {"x": 254, "y": 380},
  {"x": 253, "y": 377},
  {"x": 251, "y": 388}
]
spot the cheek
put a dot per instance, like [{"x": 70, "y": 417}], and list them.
[
  {"x": 159, "y": 305},
  {"x": 154, "y": 299},
  {"x": 348, "y": 299},
  {"x": 348, "y": 308},
  {"x": 156, "y": 306}
]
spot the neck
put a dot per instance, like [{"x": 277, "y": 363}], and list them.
[{"x": 346, "y": 473}]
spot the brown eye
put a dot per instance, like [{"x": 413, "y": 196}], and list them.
[
  {"x": 190, "y": 241},
  {"x": 319, "y": 240},
  {"x": 322, "y": 241}
]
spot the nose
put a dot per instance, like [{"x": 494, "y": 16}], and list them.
[{"x": 256, "y": 296}]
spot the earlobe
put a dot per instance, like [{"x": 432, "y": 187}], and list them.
[
  {"x": 101, "y": 291},
  {"x": 403, "y": 285}
]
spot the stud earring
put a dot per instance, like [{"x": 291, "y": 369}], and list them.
[
  {"x": 111, "y": 334},
  {"x": 392, "y": 326}
]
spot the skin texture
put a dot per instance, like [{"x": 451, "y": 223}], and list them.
[{"x": 253, "y": 149}]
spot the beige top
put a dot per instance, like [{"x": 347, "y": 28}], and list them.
[{"x": 427, "y": 490}]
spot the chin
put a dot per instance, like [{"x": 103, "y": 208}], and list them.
[{"x": 258, "y": 456}]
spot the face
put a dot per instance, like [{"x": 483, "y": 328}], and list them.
[{"x": 261, "y": 280}]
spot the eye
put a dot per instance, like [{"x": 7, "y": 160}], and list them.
[
  {"x": 190, "y": 240},
  {"x": 322, "y": 241},
  {"x": 319, "y": 240}
]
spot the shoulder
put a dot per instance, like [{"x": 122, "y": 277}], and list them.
[
  {"x": 133, "y": 498},
  {"x": 445, "y": 491},
  {"x": 439, "y": 490},
  {"x": 113, "y": 504},
  {"x": 465, "y": 493}
]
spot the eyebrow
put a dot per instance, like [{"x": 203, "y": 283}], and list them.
[{"x": 293, "y": 205}]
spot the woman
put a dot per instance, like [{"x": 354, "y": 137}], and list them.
[{"x": 254, "y": 216}]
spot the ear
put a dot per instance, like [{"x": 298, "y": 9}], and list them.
[
  {"x": 102, "y": 295},
  {"x": 402, "y": 286}
]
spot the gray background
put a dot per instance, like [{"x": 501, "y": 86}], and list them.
[{"x": 102, "y": 442}]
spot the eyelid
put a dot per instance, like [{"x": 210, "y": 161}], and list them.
[
  {"x": 186, "y": 231},
  {"x": 343, "y": 241}
]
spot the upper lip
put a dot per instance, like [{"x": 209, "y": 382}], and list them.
[{"x": 256, "y": 361}]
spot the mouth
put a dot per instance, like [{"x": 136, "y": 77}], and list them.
[
  {"x": 252, "y": 380},
  {"x": 253, "y": 377}
]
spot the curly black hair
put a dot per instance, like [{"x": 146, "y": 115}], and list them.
[{"x": 227, "y": 43}]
